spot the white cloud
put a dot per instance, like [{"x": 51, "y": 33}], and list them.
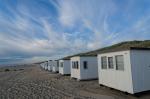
[
  {"x": 92, "y": 14},
  {"x": 68, "y": 13},
  {"x": 21, "y": 23},
  {"x": 38, "y": 36}
]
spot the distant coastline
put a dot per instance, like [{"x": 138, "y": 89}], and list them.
[{"x": 11, "y": 65}]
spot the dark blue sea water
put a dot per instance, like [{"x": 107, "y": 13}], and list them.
[{"x": 9, "y": 62}]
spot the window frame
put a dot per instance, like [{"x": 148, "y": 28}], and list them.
[
  {"x": 75, "y": 64},
  {"x": 85, "y": 65},
  {"x": 72, "y": 64},
  {"x": 110, "y": 62},
  {"x": 117, "y": 64},
  {"x": 102, "y": 62}
]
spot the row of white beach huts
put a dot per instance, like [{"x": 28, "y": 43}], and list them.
[{"x": 121, "y": 67}]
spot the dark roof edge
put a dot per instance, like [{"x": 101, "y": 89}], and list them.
[
  {"x": 125, "y": 49},
  {"x": 84, "y": 56},
  {"x": 139, "y": 48},
  {"x": 65, "y": 58},
  {"x": 113, "y": 51}
]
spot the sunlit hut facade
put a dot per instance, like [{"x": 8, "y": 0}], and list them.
[
  {"x": 84, "y": 66},
  {"x": 55, "y": 65},
  {"x": 50, "y": 63},
  {"x": 125, "y": 67},
  {"x": 64, "y": 66}
]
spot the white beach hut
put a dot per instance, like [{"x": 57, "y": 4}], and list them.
[
  {"x": 65, "y": 66},
  {"x": 42, "y": 65},
  {"x": 84, "y": 66},
  {"x": 46, "y": 65},
  {"x": 55, "y": 66},
  {"x": 50, "y": 63},
  {"x": 125, "y": 68}
]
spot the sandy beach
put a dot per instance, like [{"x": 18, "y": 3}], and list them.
[{"x": 31, "y": 82}]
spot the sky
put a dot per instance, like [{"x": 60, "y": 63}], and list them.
[{"x": 36, "y": 30}]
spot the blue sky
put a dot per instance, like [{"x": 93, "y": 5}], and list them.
[{"x": 34, "y": 30}]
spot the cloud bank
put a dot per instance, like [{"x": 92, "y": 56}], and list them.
[{"x": 35, "y": 30}]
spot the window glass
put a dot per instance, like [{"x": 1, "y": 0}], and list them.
[
  {"x": 75, "y": 64},
  {"x": 85, "y": 65},
  {"x": 104, "y": 62},
  {"x": 119, "y": 62},
  {"x": 110, "y": 62}
]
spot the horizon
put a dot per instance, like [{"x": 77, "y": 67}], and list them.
[{"x": 38, "y": 30}]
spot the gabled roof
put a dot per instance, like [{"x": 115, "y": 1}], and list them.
[
  {"x": 129, "y": 45},
  {"x": 85, "y": 54},
  {"x": 41, "y": 62},
  {"x": 66, "y": 58}
]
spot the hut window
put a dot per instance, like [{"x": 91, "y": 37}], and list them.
[
  {"x": 119, "y": 62},
  {"x": 110, "y": 62},
  {"x": 104, "y": 62},
  {"x": 75, "y": 65},
  {"x": 85, "y": 65}
]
